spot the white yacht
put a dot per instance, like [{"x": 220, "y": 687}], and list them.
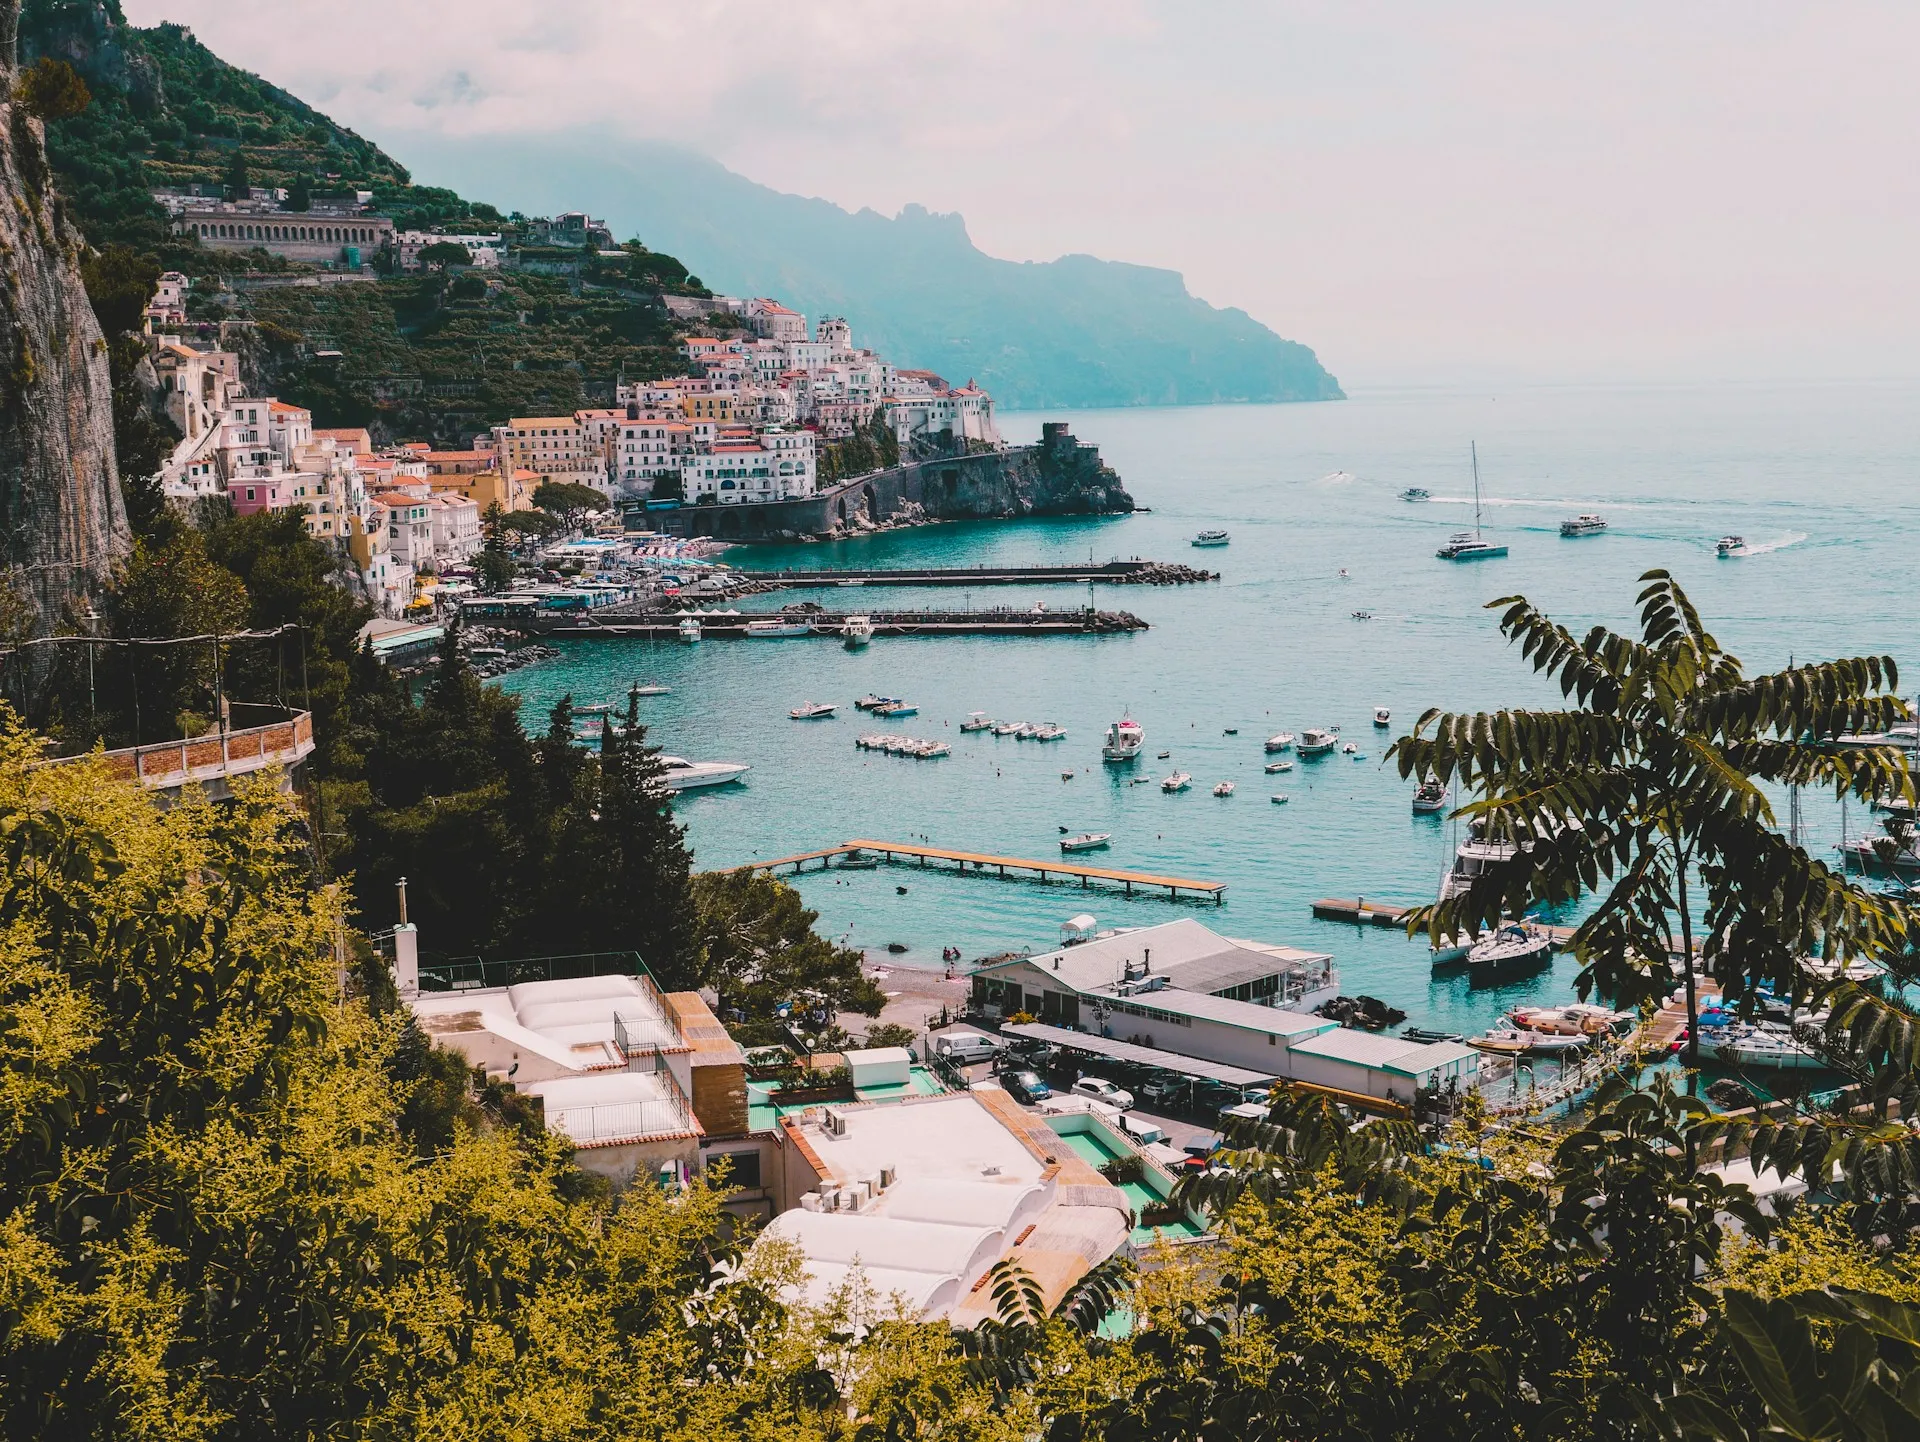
[
  {"x": 1179, "y": 781},
  {"x": 1584, "y": 524},
  {"x": 856, "y": 631},
  {"x": 1212, "y": 538},
  {"x": 1317, "y": 742},
  {"x": 684, "y": 775},
  {"x": 895, "y": 707},
  {"x": 772, "y": 630},
  {"x": 1280, "y": 741},
  {"x": 813, "y": 711},
  {"x": 1471, "y": 545},
  {"x": 1516, "y": 946},
  {"x": 1125, "y": 737},
  {"x": 689, "y": 630},
  {"x": 1730, "y": 546},
  {"x": 1764, "y": 1045}
]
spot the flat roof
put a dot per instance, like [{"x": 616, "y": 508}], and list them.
[
  {"x": 1387, "y": 1053},
  {"x": 1237, "y": 1076},
  {"x": 1191, "y": 956},
  {"x": 1247, "y": 1015}
]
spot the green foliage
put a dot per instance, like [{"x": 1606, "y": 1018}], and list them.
[
  {"x": 890, "y": 1033},
  {"x": 760, "y": 950},
  {"x": 445, "y": 252},
  {"x": 496, "y": 566},
  {"x": 120, "y": 281},
  {"x": 51, "y": 89}
]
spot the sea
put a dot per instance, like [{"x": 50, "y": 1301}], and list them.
[{"x": 1819, "y": 479}]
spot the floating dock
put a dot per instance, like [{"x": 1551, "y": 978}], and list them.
[
  {"x": 1361, "y": 912},
  {"x": 981, "y": 863},
  {"x": 826, "y": 625}
]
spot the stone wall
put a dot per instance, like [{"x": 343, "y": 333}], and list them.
[{"x": 1058, "y": 477}]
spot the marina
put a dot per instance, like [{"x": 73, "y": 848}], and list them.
[{"x": 1135, "y": 572}]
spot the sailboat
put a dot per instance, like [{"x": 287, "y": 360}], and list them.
[{"x": 1471, "y": 545}]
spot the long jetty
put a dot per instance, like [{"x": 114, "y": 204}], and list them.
[
  {"x": 1136, "y": 572},
  {"x": 827, "y": 624},
  {"x": 983, "y": 863}
]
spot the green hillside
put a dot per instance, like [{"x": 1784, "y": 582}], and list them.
[{"x": 433, "y": 355}]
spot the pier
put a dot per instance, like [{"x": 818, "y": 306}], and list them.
[
  {"x": 981, "y": 863},
  {"x": 1114, "y": 573},
  {"x": 826, "y": 625}
]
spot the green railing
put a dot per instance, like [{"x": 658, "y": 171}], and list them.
[{"x": 473, "y": 972}]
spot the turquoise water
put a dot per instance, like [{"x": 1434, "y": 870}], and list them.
[{"x": 1819, "y": 480}]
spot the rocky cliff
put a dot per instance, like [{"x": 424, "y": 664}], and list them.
[{"x": 62, "y": 523}]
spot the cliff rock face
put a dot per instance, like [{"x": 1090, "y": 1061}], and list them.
[{"x": 62, "y": 523}]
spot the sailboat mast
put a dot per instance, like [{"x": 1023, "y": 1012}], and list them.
[{"x": 1476, "y": 487}]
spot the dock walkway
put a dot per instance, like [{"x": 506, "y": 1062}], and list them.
[
  {"x": 826, "y": 625},
  {"x": 982, "y": 863},
  {"x": 1124, "y": 573}
]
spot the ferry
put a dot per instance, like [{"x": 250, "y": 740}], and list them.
[
  {"x": 813, "y": 711},
  {"x": 777, "y": 630},
  {"x": 1212, "y": 538},
  {"x": 1125, "y": 737},
  {"x": 1179, "y": 781},
  {"x": 1416, "y": 493},
  {"x": 976, "y": 721},
  {"x": 1429, "y": 798},
  {"x": 1225, "y": 788},
  {"x": 689, "y": 630},
  {"x": 1730, "y": 546},
  {"x": 1585, "y": 524},
  {"x": 680, "y": 774},
  {"x": 856, "y": 631},
  {"x": 1086, "y": 841},
  {"x": 1317, "y": 742},
  {"x": 1279, "y": 741}
]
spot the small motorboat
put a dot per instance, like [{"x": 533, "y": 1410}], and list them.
[
  {"x": 1317, "y": 742},
  {"x": 1431, "y": 797},
  {"x": 650, "y": 690},
  {"x": 858, "y": 860},
  {"x": 1279, "y": 798},
  {"x": 1416, "y": 493},
  {"x": 1382, "y": 716},
  {"x": 1007, "y": 728},
  {"x": 1164, "y": 755},
  {"x": 1512, "y": 1041},
  {"x": 1211, "y": 538},
  {"x": 1427, "y": 1036},
  {"x": 1350, "y": 749},
  {"x": 976, "y": 721},
  {"x": 1275, "y": 767},
  {"x": 1231, "y": 731},
  {"x": 776, "y": 630},
  {"x": 1225, "y": 788},
  {"x": 1363, "y": 615},
  {"x": 1066, "y": 775},
  {"x": 896, "y": 708},
  {"x": 1179, "y": 781},
  {"x": 1086, "y": 841},
  {"x": 1280, "y": 741},
  {"x": 856, "y": 631},
  {"x": 1730, "y": 546},
  {"x": 813, "y": 711},
  {"x": 1585, "y": 524},
  {"x": 1051, "y": 731}
]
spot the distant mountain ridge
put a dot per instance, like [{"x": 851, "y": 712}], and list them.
[{"x": 1077, "y": 331}]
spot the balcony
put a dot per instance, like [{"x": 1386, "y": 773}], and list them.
[{"x": 214, "y": 760}]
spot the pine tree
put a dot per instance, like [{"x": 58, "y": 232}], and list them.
[
  {"x": 645, "y": 902},
  {"x": 496, "y": 563}
]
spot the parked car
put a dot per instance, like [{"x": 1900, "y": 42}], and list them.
[
  {"x": 1164, "y": 1090},
  {"x": 1200, "y": 1152},
  {"x": 966, "y": 1046},
  {"x": 1025, "y": 1086},
  {"x": 1262, "y": 1095},
  {"x": 1035, "y": 1052},
  {"x": 1145, "y": 1133},
  {"x": 1102, "y": 1090}
]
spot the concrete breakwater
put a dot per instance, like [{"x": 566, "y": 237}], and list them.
[
  {"x": 828, "y": 624},
  {"x": 1107, "y": 573},
  {"x": 1058, "y": 477}
]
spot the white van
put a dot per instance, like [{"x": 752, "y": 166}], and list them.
[{"x": 967, "y": 1047}]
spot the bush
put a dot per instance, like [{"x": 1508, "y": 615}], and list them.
[{"x": 52, "y": 90}]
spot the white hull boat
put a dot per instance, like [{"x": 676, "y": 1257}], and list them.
[
  {"x": 1179, "y": 781},
  {"x": 856, "y": 631},
  {"x": 1583, "y": 525},
  {"x": 1316, "y": 742},
  {"x": 1125, "y": 739},
  {"x": 813, "y": 711},
  {"x": 1279, "y": 741},
  {"x": 1212, "y": 538},
  {"x": 681, "y": 774},
  {"x": 1087, "y": 841},
  {"x": 776, "y": 630},
  {"x": 689, "y": 631},
  {"x": 1225, "y": 788},
  {"x": 976, "y": 721}
]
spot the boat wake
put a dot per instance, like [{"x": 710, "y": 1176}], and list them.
[
  {"x": 1779, "y": 543},
  {"x": 1337, "y": 478}
]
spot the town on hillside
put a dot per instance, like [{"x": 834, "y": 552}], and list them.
[{"x": 763, "y": 399}]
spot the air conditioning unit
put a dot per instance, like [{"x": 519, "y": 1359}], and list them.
[
  {"x": 810, "y": 1202},
  {"x": 829, "y": 1196},
  {"x": 887, "y": 1177},
  {"x": 833, "y": 1123},
  {"x": 849, "y": 1199}
]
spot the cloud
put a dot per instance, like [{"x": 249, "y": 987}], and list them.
[{"x": 1619, "y": 189}]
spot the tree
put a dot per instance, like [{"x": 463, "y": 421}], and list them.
[
  {"x": 496, "y": 564},
  {"x": 535, "y": 524},
  {"x": 570, "y": 501},
  {"x": 300, "y": 195},
  {"x": 1647, "y": 787},
  {"x": 444, "y": 253},
  {"x": 120, "y": 282},
  {"x": 237, "y": 183},
  {"x": 51, "y": 90},
  {"x": 170, "y": 588},
  {"x": 759, "y": 950}
]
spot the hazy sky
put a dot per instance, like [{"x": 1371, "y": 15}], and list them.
[{"x": 1416, "y": 190}]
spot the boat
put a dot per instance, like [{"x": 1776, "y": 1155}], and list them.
[
  {"x": 1512, "y": 1041},
  {"x": 1471, "y": 545},
  {"x": 1179, "y": 781},
  {"x": 689, "y": 630},
  {"x": 1086, "y": 841},
  {"x": 856, "y": 581},
  {"x": 650, "y": 690},
  {"x": 776, "y": 630},
  {"x": 1277, "y": 766},
  {"x": 896, "y": 708},
  {"x": 1279, "y": 798},
  {"x": 1515, "y": 946},
  {"x": 976, "y": 721},
  {"x": 1230, "y": 731},
  {"x": 1006, "y": 728},
  {"x": 1211, "y": 538},
  {"x": 1164, "y": 755},
  {"x": 1429, "y": 798},
  {"x": 1762, "y": 1045},
  {"x": 858, "y": 860},
  {"x": 1427, "y": 1036},
  {"x": 680, "y": 774},
  {"x": 1050, "y": 731},
  {"x": 1280, "y": 741},
  {"x": 1730, "y": 546},
  {"x": 813, "y": 711},
  {"x": 1317, "y": 742},
  {"x": 1363, "y": 615},
  {"x": 870, "y": 702},
  {"x": 1574, "y": 1019},
  {"x": 1382, "y": 716},
  {"x": 1024, "y": 730},
  {"x": 1416, "y": 493},
  {"x": 1125, "y": 737},
  {"x": 1880, "y": 856},
  {"x": 856, "y": 631},
  {"x": 1585, "y": 524},
  {"x": 1350, "y": 749},
  {"x": 1225, "y": 788},
  {"x": 1066, "y": 776}
]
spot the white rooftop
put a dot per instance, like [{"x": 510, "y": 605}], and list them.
[
  {"x": 569, "y": 1023},
  {"x": 1191, "y": 957},
  {"x": 611, "y": 1108},
  {"x": 1390, "y": 1053}
]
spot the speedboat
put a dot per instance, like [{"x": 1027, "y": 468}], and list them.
[
  {"x": 813, "y": 711},
  {"x": 1277, "y": 766},
  {"x": 1280, "y": 741},
  {"x": 1125, "y": 737},
  {"x": 976, "y": 721},
  {"x": 1317, "y": 742},
  {"x": 1225, "y": 788},
  {"x": 777, "y": 630},
  {"x": 689, "y": 630},
  {"x": 1179, "y": 781},
  {"x": 1585, "y": 524},
  {"x": 1431, "y": 797},
  {"x": 870, "y": 702},
  {"x": 1363, "y": 615},
  {"x": 1008, "y": 728},
  {"x": 1730, "y": 546},
  {"x": 1086, "y": 841},
  {"x": 1573, "y": 1019},
  {"x": 1025, "y": 731},
  {"x": 1764, "y": 1045},
  {"x": 1516, "y": 946},
  {"x": 1212, "y": 538},
  {"x": 856, "y": 631},
  {"x": 1512, "y": 1041},
  {"x": 1416, "y": 493},
  {"x": 649, "y": 690},
  {"x": 1382, "y": 716},
  {"x": 680, "y": 774},
  {"x": 1279, "y": 798},
  {"x": 1468, "y": 546},
  {"x": 1051, "y": 731},
  {"x": 896, "y": 708}
]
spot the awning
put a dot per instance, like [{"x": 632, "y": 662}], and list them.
[{"x": 1193, "y": 1066}]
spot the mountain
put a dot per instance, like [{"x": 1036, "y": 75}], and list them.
[{"x": 1077, "y": 331}]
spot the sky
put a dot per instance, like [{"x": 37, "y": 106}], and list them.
[{"x": 1723, "y": 189}]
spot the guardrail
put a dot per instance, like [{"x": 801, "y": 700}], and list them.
[{"x": 212, "y": 760}]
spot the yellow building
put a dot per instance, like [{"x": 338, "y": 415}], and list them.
[
  {"x": 490, "y": 488},
  {"x": 713, "y": 406},
  {"x": 552, "y": 447}
]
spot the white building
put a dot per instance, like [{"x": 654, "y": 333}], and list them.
[
  {"x": 771, "y": 320},
  {"x": 737, "y": 467}
]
